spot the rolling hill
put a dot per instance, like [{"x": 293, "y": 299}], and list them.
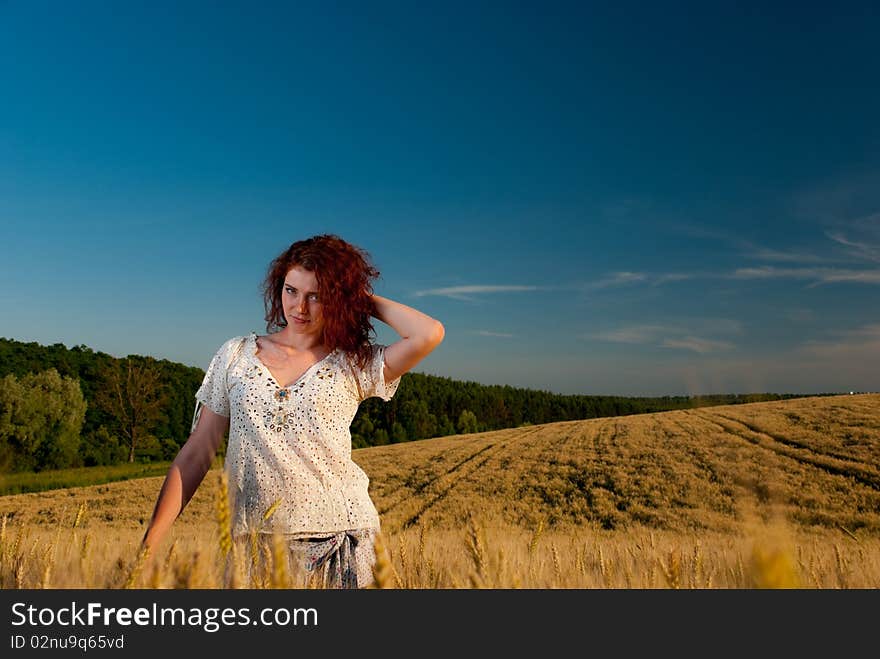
[{"x": 814, "y": 462}]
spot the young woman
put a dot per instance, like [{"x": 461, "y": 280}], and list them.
[{"x": 287, "y": 399}]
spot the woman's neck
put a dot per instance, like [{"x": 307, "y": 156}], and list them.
[{"x": 289, "y": 341}]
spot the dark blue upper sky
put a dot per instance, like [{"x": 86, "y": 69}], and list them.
[{"x": 603, "y": 198}]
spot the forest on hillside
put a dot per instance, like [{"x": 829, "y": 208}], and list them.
[{"x": 69, "y": 407}]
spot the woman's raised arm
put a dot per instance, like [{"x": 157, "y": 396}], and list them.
[{"x": 419, "y": 333}]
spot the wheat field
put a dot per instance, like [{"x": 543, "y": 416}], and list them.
[{"x": 776, "y": 494}]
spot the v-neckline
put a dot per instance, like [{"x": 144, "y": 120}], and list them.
[{"x": 265, "y": 367}]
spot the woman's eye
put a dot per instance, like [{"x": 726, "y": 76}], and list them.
[{"x": 312, "y": 296}]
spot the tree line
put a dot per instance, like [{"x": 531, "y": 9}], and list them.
[{"x": 67, "y": 407}]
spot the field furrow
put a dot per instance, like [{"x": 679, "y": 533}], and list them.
[{"x": 799, "y": 452}]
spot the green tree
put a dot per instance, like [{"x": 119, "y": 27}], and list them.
[
  {"x": 398, "y": 434},
  {"x": 363, "y": 427},
  {"x": 101, "y": 447},
  {"x": 41, "y": 416},
  {"x": 64, "y": 410},
  {"x": 446, "y": 427},
  {"x": 380, "y": 438},
  {"x": 133, "y": 393},
  {"x": 467, "y": 422},
  {"x": 11, "y": 404},
  {"x": 418, "y": 421}
]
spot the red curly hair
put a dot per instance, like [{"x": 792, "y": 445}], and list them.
[{"x": 344, "y": 273}]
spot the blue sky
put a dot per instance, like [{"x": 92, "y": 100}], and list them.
[{"x": 628, "y": 199}]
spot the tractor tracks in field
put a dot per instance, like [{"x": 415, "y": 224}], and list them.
[
  {"x": 700, "y": 456},
  {"x": 830, "y": 462},
  {"x": 429, "y": 492}
]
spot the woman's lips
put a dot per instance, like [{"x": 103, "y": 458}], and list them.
[{"x": 300, "y": 320}]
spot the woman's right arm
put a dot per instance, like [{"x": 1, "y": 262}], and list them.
[{"x": 185, "y": 474}]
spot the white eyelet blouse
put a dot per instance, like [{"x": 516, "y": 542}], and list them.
[{"x": 292, "y": 445}]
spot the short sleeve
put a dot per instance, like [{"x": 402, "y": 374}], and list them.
[
  {"x": 212, "y": 393},
  {"x": 372, "y": 379}
]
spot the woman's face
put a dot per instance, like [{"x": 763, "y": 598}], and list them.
[{"x": 301, "y": 302}]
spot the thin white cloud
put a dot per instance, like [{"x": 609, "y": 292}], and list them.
[
  {"x": 503, "y": 335},
  {"x": 849, "y": 209},
  {"x": 617, "y": 279},
  {"x": 843, "y": 201},
  {"x": 843, "y": 240},
  {"x": 697, "y": 344},
  {"x": 858, "y": 248},
  {"x": 857, "y": 276},
  {"x": 668, "y": 336},
  {"x": 626, "y": 278},
  {"x": 862, "y": 342},
  {"x": 756, "y": 252},
  {"x": 633, "y": 334},
  {"x": 770, "y": 272},
  {"x": 672, "y": 276},
  {"x": 463, "y": 292},
  {"x": 764, "y": 254},
  {"x": 818, "y": 275},
  {"x": 870, "y": 332}
]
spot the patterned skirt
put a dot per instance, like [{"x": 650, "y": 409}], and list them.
[{"x": 334, "y": 560}]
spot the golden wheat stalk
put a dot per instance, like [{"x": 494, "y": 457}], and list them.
[
  {"x": 84, "y": 563},
  {"x": 672, "y": 571},
  {"x": 401, "y": 544},
  {"x": 224, "y": 518},
  {"x": 48, "y": 562},
  {"x": 155, "y": 577},
  {"x": 557, "y": 566},
  {"x": 271, "y": 510},
  {"x": 18, "y": 572},
  {"x": 773, "y": 569},
  {"x": 186, "y": 573},
  {"x": 533, "y": 543},
  {"x": 135, "y": 571},
  {"x": 628, "y": 574},
  {"x": 80, "y": 514},
  {"x": 849, "y": 533},
  {"x": 842, "y": 567},
  {"x": 169, "y": 556},
  {"x": 255, "y": 577},
  {"x": 3, "y": 535},
  {"x": 3, "y": 559},
  {"x": 382, "y": 577},
  {"x": 697, "y": 562},
  {"x": 476, "y": 546},
  {"x": 280, "y": 573},
  {"x": 580, "y": 561}
]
